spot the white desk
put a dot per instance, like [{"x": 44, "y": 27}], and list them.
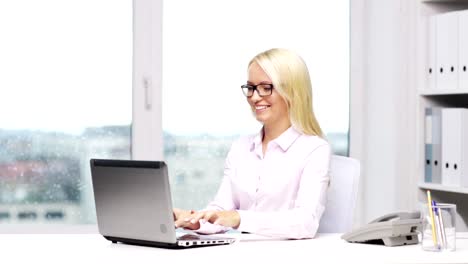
[{"x": 326, "y": 248}]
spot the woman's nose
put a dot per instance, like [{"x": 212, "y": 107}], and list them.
[{"x": 255, "y": 97}]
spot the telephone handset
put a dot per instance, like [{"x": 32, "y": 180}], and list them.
[
  {"x": 394, "y": 229},
  {"x": 397, "y": 216}
]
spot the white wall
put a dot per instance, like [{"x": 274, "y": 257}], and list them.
[{"x": 382, "y": 105}]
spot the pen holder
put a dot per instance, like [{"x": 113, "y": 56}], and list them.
[{"x": 438, "y": 233}]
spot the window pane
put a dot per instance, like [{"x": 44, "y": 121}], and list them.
[
  {"x": 205, "y": 62},
  {"x": 66, "y": 97}
]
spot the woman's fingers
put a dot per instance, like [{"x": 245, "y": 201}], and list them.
[
  {"x": 186, "y": 224},
  {"x": 182, "y": 219},
  {"x": 191, "y": 220},
  {"x": 209, "y": 216},
  {"x": 195, "y": 218}
]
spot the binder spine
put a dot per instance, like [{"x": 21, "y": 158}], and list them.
[
  {"x": 428, "y": 146},
  {"x": 436, "y": 145}
]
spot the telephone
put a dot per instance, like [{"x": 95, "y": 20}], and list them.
[{"x": 395, "y": 229}]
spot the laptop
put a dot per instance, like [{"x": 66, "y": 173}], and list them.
[{"x": 134, "y": 205}]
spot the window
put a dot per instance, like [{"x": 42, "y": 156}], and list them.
[
  {"x": 62, "y": 62},
  {"x": 66, "y": 96},
  {"x": 207, "y": 45}
]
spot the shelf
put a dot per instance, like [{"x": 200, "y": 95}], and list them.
[
  {"x": 440, "y": 187},
  {"x": 442, "y": 92},
  {"x": 435, "y": 98}
]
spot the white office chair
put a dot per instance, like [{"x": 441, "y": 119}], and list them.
[{"x": 342, "y": 194}]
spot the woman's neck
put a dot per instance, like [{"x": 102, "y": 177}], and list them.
[{"x": 271, "y": 132}]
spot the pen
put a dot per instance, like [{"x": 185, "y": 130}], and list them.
[
  {"x": 431, "y": 213},
  {"x": 437, "y": 223},
  {"x": 440, "y": 222}
]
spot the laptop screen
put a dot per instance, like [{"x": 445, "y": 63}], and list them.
[{"x": 133, "y": 199}]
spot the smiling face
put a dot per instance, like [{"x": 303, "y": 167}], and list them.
[{"x": 270, "y": 110}]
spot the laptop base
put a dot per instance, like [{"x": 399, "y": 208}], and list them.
[{"x": 146, "y": 243}]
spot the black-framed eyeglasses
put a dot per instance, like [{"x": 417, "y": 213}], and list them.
[{"x": 262, "y": 89}]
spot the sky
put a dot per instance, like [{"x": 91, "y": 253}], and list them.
[
  {"x": 61, "y": 72},
  {"x": 63, "y": 67}
]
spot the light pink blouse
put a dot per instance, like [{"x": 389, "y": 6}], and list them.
[{"x": 280, "y": 194}]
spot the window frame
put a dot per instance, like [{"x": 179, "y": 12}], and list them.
[{"x": 147, "y": 134}]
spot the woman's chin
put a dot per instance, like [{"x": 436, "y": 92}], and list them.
[{"x": 261, "y": 119}]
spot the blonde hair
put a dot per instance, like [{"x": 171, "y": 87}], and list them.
[{"x": 291, "y": 80}]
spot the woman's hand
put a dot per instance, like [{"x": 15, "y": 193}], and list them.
[
  {"x": 224, "y": 218},
  {"x": 182, "y": 219}
]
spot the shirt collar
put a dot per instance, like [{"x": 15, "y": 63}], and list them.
[
  {"x": 288, "y": 137},
  {"x": 284, "y": 141}
]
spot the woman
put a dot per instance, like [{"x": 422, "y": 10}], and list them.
[{"x": 275, "y": 182}]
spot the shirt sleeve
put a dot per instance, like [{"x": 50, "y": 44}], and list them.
[
  {"x": 303, "y": 220},
  {"x": 224, "y": 199}
]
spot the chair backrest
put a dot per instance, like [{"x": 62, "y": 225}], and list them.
[{"x": 342, "y": 195}]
